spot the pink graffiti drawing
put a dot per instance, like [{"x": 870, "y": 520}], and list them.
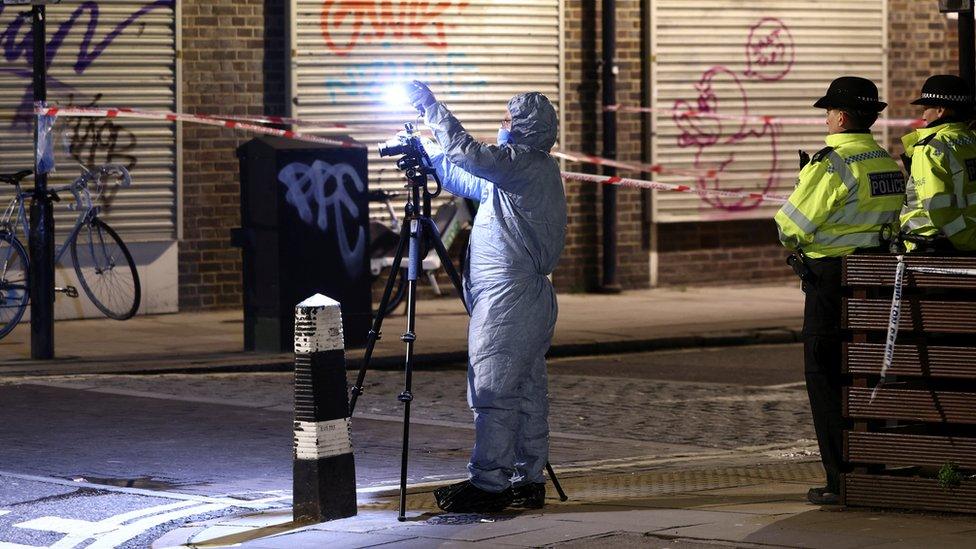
[
  {"x": 770, "y": 53},
  {"x": 714, "y": 138},
  {"x": 346, "y": 23}
]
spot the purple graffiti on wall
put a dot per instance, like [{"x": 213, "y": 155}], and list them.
[
  {"x": 770, "y": 55},
  {"x": 769, "y": 50},
  {"x": 16, "y": 40}
]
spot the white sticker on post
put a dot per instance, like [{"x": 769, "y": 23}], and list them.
[{"x": 317, "y": 440}]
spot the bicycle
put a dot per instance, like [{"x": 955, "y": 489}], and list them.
[
  {"x": 452, "y": 218},
  {"x": 101, "y": 260}
]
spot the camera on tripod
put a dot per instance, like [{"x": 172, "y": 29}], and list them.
[
  {"x": 406, "y": 143},
  {"x": 413, "y": 162}
]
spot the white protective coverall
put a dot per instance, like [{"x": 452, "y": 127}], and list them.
[{"x": 516, "y": 241}]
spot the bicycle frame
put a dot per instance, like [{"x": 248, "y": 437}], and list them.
[{"x": 84, "y": 203}]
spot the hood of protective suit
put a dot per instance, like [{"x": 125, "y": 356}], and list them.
[{"x": 534, "y": 121}]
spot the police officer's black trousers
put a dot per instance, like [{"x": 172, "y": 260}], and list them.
[{"x": 822, "y": 349}]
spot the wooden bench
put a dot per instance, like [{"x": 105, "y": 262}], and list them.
[{"x": 922, "y": 423}]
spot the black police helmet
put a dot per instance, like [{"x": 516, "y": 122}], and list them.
[
  {"x": 945, "y": 90},
  {"x": 851, "y": 92}
]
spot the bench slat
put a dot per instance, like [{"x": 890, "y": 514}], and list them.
[
  {"x": 894, "y": 450},
  {"x": 908, "y": 493},
  {"x": 939, "y": 361},
  {"x": 910, "y": 405},
  {"x": 879, "y": 270},
  {"x": 957, "y": 317}
]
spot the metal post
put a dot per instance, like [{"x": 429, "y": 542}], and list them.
[
  {"x": 324, "y": 474},
  {"x": 967, "y": 44},
  {"x": 41, "y": 238},
  {"x": 609, "y": 283}
]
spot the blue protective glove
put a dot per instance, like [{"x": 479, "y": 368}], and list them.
[
  {"x": 420, "y": 95},
  {"x": 504, "y": 136}
]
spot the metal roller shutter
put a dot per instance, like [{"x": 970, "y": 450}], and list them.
[
  {"x": 113, "y": 53},
  {"x": 766, "y": 58},
  {"x": 475, "y": 54}
]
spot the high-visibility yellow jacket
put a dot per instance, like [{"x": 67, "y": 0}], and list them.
[
  {"x": 847, "y": 192},
  {"x": 941, "y": 192}
]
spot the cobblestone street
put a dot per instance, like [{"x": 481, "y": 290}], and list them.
[
  {"x": 721, "y": 415},
  {"x": 221, "y": 443}
]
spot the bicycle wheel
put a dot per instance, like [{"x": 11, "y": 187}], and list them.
[
  {"x": 106, "y": 270},
  {"x": 13, "y": 282}
]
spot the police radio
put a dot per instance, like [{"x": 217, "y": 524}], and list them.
[{"x": 798, "y": 262}]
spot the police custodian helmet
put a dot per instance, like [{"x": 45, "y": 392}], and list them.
[
  {"x": 851, "y": 92},
  {"x": 945, "y": 90}
]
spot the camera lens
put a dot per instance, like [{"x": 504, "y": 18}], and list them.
[{"x": 394, "y": 147}]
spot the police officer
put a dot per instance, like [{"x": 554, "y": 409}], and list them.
[
  {"x": 846, "y": 193},
  {"x": 941, "y": 159}
]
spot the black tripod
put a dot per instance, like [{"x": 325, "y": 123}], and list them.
[{"x": 417, "y": 235}]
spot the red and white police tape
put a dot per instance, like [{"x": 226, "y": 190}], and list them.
[
  {"x": 632, "y": 166},
  {"x": 645, "y": 184},
  {"x": 251, "y": 124},
  {"x": 196, "y": 118},
  {"x": 763, "y": 119},
  {"x": 318, "y": 125}
]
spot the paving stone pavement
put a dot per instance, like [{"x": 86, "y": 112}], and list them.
[{"x": 711, "y": 505}]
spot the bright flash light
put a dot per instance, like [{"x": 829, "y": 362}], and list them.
[{"x": 395, "y": 95}]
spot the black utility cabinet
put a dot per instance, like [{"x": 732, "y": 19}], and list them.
[{"x": 305, "y": 230}]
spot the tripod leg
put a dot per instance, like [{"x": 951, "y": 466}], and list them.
[
  {"x": 409, "y": 337},
  {"x": 374, "y": 331},
  {"x": 434, "y": 237},
  {"x": 555, "y": 483}
]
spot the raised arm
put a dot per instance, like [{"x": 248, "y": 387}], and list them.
[
  {"x": 490, "y": 162},
  {"x": 455, "y": 180}
]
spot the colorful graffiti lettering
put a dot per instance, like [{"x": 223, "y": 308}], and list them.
[
  {"x": 16, "y": 41},
  {"x": 346, "y": 23},
  {"x": 770, "y": 56}
]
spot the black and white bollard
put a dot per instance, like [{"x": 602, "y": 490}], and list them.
[{"x": 324, "y": 471}]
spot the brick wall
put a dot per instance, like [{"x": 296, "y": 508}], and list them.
[
  {"x": 580, "y": 268},
  {"x": 232, "y": 64},
  {"x": 725, "y": 252},
  {"x": 232, "y": 53},
  {"x": 922, "y": 42}
]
